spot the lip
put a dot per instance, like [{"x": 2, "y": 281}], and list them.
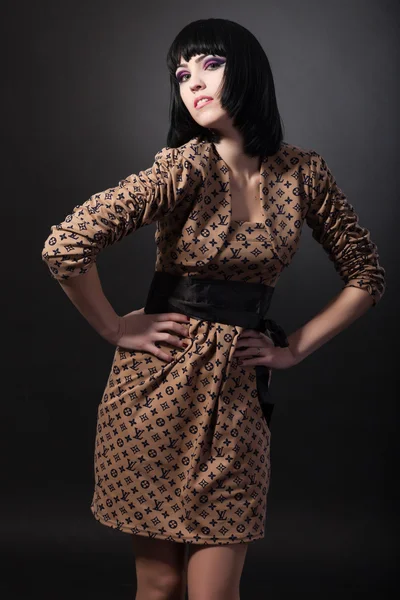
[{"x": 196, "y": 100}]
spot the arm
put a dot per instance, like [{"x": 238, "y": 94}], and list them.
[
  {"x": 350, "y": 304},
  {"x": 87, "y": 295},
  {"x": 73, "y": 245},
  {"x": 335, "y": 226}
]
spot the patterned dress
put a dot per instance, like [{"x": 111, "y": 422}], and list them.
[{"x": 182, "y": 450}]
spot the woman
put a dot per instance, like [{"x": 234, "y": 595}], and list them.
[{"x": 182, "y": 451}]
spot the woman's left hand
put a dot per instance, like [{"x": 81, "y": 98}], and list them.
[{"x": 255, "y": 348}]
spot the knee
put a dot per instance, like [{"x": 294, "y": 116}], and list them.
[
  {"x": 211, "y": 593},
  {"x": 160, "y": 586}
]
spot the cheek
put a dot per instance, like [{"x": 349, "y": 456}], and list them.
[
  {"x": 183, "y": 97},
  {"x": 187, "y": 101},
  {"x": 218, "y": 82}
]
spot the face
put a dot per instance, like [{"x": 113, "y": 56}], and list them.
[{"x": 202, "y": 76}]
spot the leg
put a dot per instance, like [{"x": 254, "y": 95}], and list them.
[
  {"x": 160, "y": 569},
  {"x": 214, "y": 572}
]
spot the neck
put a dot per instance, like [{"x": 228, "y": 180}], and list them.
[{"x": 242, "y": 167}]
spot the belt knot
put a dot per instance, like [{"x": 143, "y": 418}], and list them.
[{"x": 276, "y": 332}]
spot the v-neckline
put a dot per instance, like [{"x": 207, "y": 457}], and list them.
[
  {"x": 243, "y": 222},
  {"x": 260, "y": 193}
]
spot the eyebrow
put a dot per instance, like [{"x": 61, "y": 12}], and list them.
[{"x": 196, "y": 61}]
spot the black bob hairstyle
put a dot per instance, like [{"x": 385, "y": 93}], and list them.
[{"x": 248, "y": 90}]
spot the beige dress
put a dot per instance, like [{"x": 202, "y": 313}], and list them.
[{"x": 182, "y": 450}]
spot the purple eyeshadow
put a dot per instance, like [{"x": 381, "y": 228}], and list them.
[{"x": 209, "y": 61}]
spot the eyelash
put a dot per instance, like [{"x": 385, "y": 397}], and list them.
[{"x": 212, "y": 62}]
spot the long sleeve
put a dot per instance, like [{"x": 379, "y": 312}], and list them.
[
  {"x": 335, "y": 226},
  {"x": 106, "y": 217}
]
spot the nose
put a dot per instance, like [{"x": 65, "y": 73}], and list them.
[{"x": 196, "y": 84}]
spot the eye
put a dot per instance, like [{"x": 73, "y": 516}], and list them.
[{"x": 210, "y": 63}]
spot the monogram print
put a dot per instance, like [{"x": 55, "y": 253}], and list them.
[{"x": 182, "y": 449}]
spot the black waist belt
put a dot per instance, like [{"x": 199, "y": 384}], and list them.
[{"x": 222, "y": 301}]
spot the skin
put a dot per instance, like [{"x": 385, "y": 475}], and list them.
[{"x": 204, "y": 78}]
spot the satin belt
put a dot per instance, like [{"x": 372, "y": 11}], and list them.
[{"x": 222, "y": 301}]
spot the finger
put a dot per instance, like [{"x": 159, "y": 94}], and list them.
[
  {"x": 172, "y": 339},
  {"x": 253, "y": 340},
  {"x": 249, "y": 333},
  {"x": 160, "y": 354},
  {"x": 173, "y": 316},
  {"x": 246, "y": 352},
  {"x": 162, "y": 326},
  {"x": 248, "y": 339},
  {"x": 252, "y": 362},
  {"x": 252, "y": 343}
]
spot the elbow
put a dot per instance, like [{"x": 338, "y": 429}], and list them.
[{"x": 374, "y": 285}]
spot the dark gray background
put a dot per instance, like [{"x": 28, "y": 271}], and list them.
[{"x": 86, "y": 96}]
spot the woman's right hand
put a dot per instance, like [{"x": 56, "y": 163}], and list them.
[{"x": 140, "y": 331}]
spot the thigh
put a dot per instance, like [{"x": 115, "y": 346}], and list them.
[
  {"x": 160, "y": 564},
  {"x": 214, "y": 572}
]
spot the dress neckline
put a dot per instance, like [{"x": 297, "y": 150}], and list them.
[
  {"x": 263, "y": 159},
  {"x": 247, "y": 222}
]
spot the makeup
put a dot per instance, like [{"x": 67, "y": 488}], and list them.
[{"x": 211, "y": 63}]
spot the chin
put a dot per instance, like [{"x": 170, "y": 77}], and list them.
[{"x": 209, "y": 123}]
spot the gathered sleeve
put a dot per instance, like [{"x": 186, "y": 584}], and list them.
[
  {"x": 106, "y": 217},
  {"x": 335, "y": 225}
]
